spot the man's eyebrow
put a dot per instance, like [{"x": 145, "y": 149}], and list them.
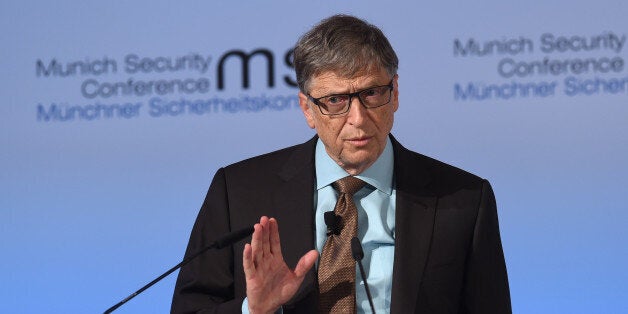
[{"x": 330, "y": 91}]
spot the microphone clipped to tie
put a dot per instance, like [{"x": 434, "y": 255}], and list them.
[{"x": 358, "y": 255}]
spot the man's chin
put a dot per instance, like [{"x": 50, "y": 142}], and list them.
[{"x": 357, "y": 161}]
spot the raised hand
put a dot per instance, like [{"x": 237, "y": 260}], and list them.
[{"x": 269, "y": 281}]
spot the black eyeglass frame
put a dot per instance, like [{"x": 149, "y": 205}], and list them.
[{"x": 317, "y": 102}]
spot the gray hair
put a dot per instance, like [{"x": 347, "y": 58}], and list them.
[{"x": 344, "y": 45}]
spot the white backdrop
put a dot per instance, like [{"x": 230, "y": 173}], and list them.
[{"x": 99, "y": 191}]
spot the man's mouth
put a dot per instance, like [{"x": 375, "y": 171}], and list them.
[{"x": 359, "y": 141}]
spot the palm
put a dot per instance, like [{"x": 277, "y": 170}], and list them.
[{"x": 269, "y": 281}]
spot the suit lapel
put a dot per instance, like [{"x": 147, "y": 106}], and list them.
[
  {"x": 414, "y": 224},
  {"x": 293, "y": 202}
]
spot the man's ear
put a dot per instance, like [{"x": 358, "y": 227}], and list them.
[{"x": 307, "y": 110}]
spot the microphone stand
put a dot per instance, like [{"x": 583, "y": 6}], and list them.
[
  {"x": 225, "y": 241},
  {"x": 358, "y": 255}
]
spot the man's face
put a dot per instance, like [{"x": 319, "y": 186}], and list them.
[{"x": 356, "y": 139}]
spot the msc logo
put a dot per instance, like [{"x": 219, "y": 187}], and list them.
[
  {"x": 164, "y": 73},
  {"x": 245, "y": 60}
]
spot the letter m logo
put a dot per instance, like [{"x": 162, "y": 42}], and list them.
[{"x": 245, "y": 58}]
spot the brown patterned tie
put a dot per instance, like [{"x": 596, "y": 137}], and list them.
[{"x": 336, "y": 269}]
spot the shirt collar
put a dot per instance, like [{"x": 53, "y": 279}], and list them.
[{"x": 379, "y": 174}]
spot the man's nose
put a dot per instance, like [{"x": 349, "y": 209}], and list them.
[{"x": 357, "y": 112}]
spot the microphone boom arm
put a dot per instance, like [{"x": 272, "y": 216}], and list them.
[{"x": 225, "y": 241}]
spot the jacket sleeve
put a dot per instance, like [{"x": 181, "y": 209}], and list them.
[
  {"x": 486, "y": 282},
  {"x": 206, "y": 284}
]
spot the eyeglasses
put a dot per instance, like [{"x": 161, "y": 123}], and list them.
[{"x": 337, "y": 104}]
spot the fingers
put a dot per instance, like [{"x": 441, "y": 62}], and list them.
[
  {"x": 275, "y": 242},
  {"x": 252, "y": 252},
  {"x": 265, "y": 247},
  {"x": 305, "y": 263},
  {"x": 266, "y": 241},
  {"x": 257, "y": 243},
  {"x": 264, "y": 221},
  {"x": 247, "y": 262}
]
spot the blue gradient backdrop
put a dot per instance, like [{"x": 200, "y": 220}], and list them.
[{"x": 91, "y": 210}]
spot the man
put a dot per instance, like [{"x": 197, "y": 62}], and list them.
[{"x": 429, "y": 231}]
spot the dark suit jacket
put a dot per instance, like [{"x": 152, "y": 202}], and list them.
[{"x": 448, "y": 253}]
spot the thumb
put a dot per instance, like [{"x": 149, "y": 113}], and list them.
[{"x": 305, "y": 263}]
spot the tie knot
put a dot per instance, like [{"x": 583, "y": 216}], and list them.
[{"x": 348, "y": 185}]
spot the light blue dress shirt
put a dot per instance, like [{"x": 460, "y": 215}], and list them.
[{"x": 376, "y": 222}]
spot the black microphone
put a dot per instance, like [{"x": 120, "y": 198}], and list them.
[
  {"x": 358, "y": 255},
  {"x": 225, "y": 241},
  {"x": 333, "y": 222}
]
